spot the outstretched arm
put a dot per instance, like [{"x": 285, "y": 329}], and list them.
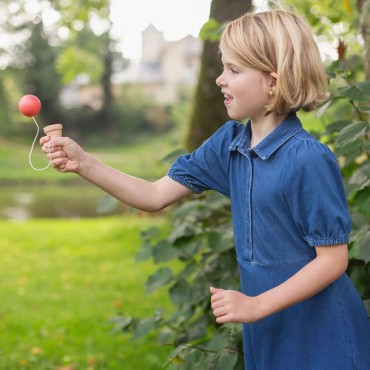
[
  {"x": 67, "y": 156},
  {"x": 232, "y": 306}
]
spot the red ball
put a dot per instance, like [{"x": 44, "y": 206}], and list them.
[{"x": 29, "y": 105}]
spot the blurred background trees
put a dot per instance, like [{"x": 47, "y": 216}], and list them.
[{"x": 52, "y": 45}]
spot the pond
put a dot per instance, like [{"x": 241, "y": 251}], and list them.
[{"x": 56, "y": 201}]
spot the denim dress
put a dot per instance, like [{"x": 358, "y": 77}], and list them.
[{"x": 287, "y": 197}]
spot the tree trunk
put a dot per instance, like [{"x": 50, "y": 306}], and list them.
[
  {"x": 364, "y": 11},
  {"x": 107, "y": 118},
  {"x": 209, "y": 112},
  {"x": 108, "y": 121}
]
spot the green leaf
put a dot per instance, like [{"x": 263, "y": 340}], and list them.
[
  {"x": 216, "y": 201},
  {"x": 364, "y": 108},
  {"x": 181, "y": 317},
  {"x": 364, "y": 248},
  {"x": 121, "y": 323},
  {"x": 191, "y": 212},
  {"x": 362, "y": 201},
  {"x": 366, "y": 146},
  {"x": 185, "y": 230},
  {"x": 161, "y": 277},
  {"x": 194, "y": 359},
  {"x": 233, "y": 332},
  {"x": 323, "y": 108},
  {"x": 357, "y": 92},
  {"x": 352, "y": 132},
  {"x": 163, "y": 251},
  {"x": 225, "y": 359},
  {"x": 198, "y": 329},
  {"x": 180, "y": 293},
  {"x": 360, "y": 248},
  {"x": 176, "y": 356},
  {"x": 361, "y": 178},
  {"x": 188, "y": 249},
  {"x": 336, "y": 126},
  {"x": 217, "y": 342},
  {"x": 165, "y": 336},
  {"x": 144, "y": 253},
  {"x": 220, "y": 242},
  {"x": 360, "y": 277},
  {"x": 350, "y": 151},
  {"x": 189, "y": 269},
  {"x": 106, "y": 204},
  {"x": 149, "y": 233},
  {"x": 211, "y": 30},
  {"x": 144, "y": 326}
]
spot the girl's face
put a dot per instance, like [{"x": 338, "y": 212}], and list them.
[{"x": 245, "y": 90}]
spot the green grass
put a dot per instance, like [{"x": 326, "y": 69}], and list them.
[
  {"x": 63, "y": 280},
  {"x": 61, "y": 283}
]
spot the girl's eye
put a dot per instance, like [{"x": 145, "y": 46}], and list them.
[{"x": 229, "y": 69}]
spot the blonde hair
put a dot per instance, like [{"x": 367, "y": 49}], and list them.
[{"x": 281, "y": 42}]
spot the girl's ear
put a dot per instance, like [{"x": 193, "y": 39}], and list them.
[{"x": 273, "y": 79}]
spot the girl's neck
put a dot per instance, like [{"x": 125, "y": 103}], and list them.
[{"x": 263, "y": 127}]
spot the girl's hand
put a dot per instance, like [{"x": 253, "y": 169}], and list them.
[
  {"x": 233, "y": 306},
  {"x": 65, "y": 154}
]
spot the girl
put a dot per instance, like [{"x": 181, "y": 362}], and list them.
[{"x": 298, "y": 308}]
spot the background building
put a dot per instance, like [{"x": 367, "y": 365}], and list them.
[
  {"x": 164, "y": 65},
  {"x": 162, "y": 69}
]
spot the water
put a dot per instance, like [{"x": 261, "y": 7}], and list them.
[{"x": 56, "y": 201}]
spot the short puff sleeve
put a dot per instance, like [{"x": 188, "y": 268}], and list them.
[
  {"x": 207, "y": 168},
  {"x": 315, "y": 194}
]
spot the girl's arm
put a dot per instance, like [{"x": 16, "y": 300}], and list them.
[
  {"x": 67, "y": 156},
  {"x": 231, "y": 306}
]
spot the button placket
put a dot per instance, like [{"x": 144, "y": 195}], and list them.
[{"x": 248, "y": 213}]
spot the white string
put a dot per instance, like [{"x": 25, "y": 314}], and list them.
[{"x": 33, "y": 144}]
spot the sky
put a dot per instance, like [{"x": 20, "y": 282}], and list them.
[{"x": 175, "y": 18}]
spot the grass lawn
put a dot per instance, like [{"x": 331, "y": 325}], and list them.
[{"x": 61, "y": 283}]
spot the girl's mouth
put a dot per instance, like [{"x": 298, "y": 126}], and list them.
[{"x": 228, "y": 99}]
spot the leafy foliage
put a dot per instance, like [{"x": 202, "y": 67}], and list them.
[
  {"x": 202, "y": 239},
  {"x": 350, "y": 139},
  {"x": 74, "y": 61},
  {"x": 211, "y": 30}
]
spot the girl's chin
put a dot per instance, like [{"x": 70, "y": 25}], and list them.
[{"x": 234, "y": 116}]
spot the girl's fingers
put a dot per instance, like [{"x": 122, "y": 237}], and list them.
[
  {"x": 44, "y": 140},
  {"x": 222, "y": 319},
  {"x": 219, "y": 312},
  {"x": 215, "y": 290},
  {"x": 57, "y": 154},
  {"x": 216, "y": 304},
  {"x": 56, "y": 162}
]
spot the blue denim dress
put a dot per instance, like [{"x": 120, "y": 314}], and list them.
[{"x": 287, "y": 197}]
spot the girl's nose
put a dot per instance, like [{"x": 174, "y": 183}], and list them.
[{"x": 219, "y": 81}]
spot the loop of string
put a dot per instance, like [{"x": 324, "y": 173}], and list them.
[{"x": 32, "y": 147}]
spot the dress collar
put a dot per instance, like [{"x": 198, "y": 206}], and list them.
[{"x": 289, "y": 127}]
